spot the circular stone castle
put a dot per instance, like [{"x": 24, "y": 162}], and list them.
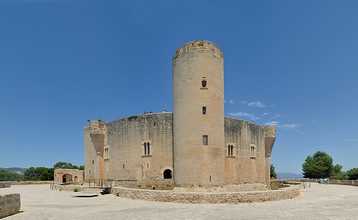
[{"x": 195, "y": 146}]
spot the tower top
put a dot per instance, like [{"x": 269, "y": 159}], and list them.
[{"x": 202, "y": 45}]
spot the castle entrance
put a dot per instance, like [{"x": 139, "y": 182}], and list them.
[
  {"x": 167, "y": 174},
  {"x": 67, "y": 178}
]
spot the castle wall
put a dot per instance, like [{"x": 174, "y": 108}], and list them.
[
  {"x": 127, "y": 161},
  {"x": 95, "y": 138},
  {"x": 244, "y": 166}
]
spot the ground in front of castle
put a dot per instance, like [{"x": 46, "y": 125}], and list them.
[{"x": 319, "y": 202}]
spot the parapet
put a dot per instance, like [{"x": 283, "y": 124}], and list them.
[
  {"x": 200, "y": 45},
  {"x": 96, "y": 127},
  {"x": 270, "y": 137},
  {"x": 270, "y": 131}
]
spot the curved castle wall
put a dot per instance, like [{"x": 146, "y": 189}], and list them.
[{"x": 198, "y": 89}]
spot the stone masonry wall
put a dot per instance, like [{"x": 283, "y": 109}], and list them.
[
  {"x": 9, "y": 204},
  {"x": 202, "y": 197},
  {"x": 244, "y": 165},
  {"x": 127, "y": 160}
]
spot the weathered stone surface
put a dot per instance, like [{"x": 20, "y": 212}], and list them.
[
  {"x": 206, "y": 197},
  {"x": 9, "y": 204},
  {"x": 5, "y": 184}
]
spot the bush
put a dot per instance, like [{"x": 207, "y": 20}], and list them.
[
  {"x": 352, "y": 174},
  {"x": 6, "y": 175},
  {"x": 39, "y": 173},
  {"x": 273, "y": 174}
]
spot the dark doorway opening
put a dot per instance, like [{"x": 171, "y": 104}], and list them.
[
  {"x": 67, "y": 178},
  {"x": 167, "y": 174}
]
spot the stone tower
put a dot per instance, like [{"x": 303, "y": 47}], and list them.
[{"x": 198, "y": 89}]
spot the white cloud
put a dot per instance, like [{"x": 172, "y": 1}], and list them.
[
  {"x": 293, "y": 125},
  {"x": 273, "y": 123},
  {"x": 351, "y": 139},
  {"x": 230, "y": 101},
  {"x": 265, "y": 114},
  {"x": 245, "y": 115},
  {"x": 256, "y": 104},
  {"x": 279, "y": 125}
]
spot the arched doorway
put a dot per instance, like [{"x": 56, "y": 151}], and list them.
[
  {"x": 167, "y": 174},
  {"x": 67, "y": 178},
  {"x": 76, "y": 179}
]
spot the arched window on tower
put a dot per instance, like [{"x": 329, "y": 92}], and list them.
[
  {"x": 204, "y": 83},
  {"x": 203, "y": 110}
]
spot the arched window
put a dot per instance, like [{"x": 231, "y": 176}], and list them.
[
  {"x": 204, "y": 83},
  {"x": 203, "y": 110},
  {"x": 146, "y": 148},
  {"x": 205, "y": 139},
  {"x": 252, "y": 151},
  {"x": 167, "y": 174},
  {"x": 230, "y": 150}
]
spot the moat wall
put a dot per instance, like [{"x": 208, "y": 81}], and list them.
[{"x": 202, "y": 197}]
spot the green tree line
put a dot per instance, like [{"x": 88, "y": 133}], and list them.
[
  {"x": 36, "y": 173},
  {"x": 320, "y": 165}
]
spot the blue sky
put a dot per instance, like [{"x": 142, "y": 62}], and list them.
[{"x": 290, "y": 63}]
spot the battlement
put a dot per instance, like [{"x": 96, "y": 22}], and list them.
[
  {"x": 270, "y": 131},
  {"x": 96, "y": 126},
  {"x": 200, "y": 45}
]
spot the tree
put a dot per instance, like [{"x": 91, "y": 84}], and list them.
[
  {"x": 65, "y": 165},
  {"x": 352, "y": 174},
  {"x": 273, "y": 172},
  {"x": 6, "y": 175},
  {"x": 39, "y": 173},
  {"x": 320, "y": 165},
  {"x": 337, "y": 172}
]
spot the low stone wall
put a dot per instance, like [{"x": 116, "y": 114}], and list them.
[
  {"x": 202, "y": 197},
  {"x": 344, "y": 182},
  {"x": 30, "y": 182},
  {"x": 75, "y": 188},
  {"x": 4, "y": 185},
  {"x": 9, "y": 204}
]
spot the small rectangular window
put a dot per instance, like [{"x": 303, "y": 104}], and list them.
[
  {"x": 253, "y": 151},
  {"x": 205, "y": 140},
  {"x": 230, "y": 150},
  {"x": 146, "y": 148},
  {"x": 204, "y": 110}
]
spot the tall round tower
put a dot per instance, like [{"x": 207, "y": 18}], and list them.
[{"x": 198, "y": 89}]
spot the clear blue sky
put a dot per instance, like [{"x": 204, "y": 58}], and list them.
[{"x": 290, "y": 63}]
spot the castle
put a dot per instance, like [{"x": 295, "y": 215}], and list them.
[{"x": 196, "y": 145}]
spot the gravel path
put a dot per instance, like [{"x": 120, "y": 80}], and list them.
[{"x": 318, "y": 202}]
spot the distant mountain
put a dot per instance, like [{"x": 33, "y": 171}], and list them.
[
  {"x": 17, "y": 170},
  {"x": 289, "y": 176}
]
